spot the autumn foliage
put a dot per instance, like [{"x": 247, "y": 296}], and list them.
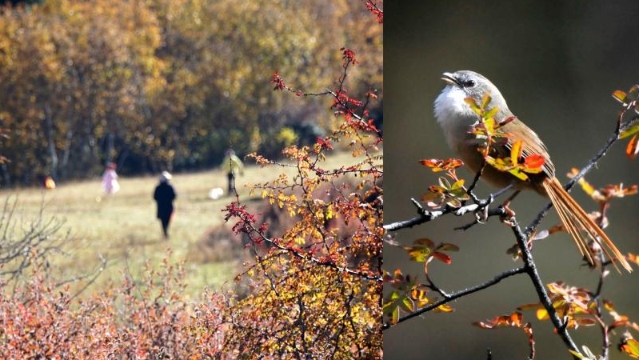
[
  {"x": 311, "y": 286},
  {"x": 568, "y": 307},
  {"x": 158, "y": 84},
  {"x": 317, "y": 285}
]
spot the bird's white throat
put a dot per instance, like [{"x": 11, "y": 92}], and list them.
[{"x": 451, "y": 104}]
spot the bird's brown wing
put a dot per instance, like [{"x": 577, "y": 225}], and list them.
[{"x": 531, "y": 144}]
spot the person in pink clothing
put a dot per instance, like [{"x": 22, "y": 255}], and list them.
[{"x": 110, "y": 183}]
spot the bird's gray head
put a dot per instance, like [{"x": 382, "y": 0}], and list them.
[{"x": 461, "y": 85}]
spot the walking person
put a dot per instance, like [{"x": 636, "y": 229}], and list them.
[
  {"x": 164, "y": 196},
  {"x": 233, "y": 166}
]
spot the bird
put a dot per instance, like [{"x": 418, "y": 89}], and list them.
[{"x": 457, "y": 118}]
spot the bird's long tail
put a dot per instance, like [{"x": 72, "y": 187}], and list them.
[{"x": 581, "y": 227}]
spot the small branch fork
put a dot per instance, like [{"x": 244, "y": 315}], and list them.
[{"x": 456, "y": 295}]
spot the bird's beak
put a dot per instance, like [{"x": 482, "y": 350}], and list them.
[{"x": 449, "y": 78}]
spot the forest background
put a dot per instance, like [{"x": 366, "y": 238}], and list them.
[{"x": 167, "y": 85}]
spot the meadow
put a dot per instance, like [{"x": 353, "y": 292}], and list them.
[{"x": 122, "y": 232}]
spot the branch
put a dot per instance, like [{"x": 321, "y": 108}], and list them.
[
  {"x": 459, "y": 294},
  {"x": 249, "y": 229},
  {"x": 533, "y": 274},
  {"x": 425, "y": 216},
  {"x": 593, "y": 161}
]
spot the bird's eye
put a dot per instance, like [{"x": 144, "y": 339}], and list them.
[{"x": 469, "y": 83}]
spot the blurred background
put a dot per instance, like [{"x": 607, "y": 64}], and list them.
[
  {"x": 154, "y": 85},
  {"x": 557, "y": 64}
]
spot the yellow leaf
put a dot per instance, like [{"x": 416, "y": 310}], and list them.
[
  {"x": 542, "y": 314},
  {"x": 631, "y": 347},
  {"x": 515, "y": 151},
  {"x": 444, "y": 308},
  {"x": 329, "y": 213}
]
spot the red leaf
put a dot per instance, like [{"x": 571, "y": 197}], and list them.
[
  {"x": 633, "y": 147},
  {"x": 442, "y": 257},
  {"x": 534, "y": 161}
]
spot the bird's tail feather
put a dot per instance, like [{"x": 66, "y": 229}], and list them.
[{"x": 580, "y": 226}]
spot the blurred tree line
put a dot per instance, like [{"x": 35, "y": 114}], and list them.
[{"x": 167, "y": 84}]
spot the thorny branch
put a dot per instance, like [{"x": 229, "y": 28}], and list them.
[{"x": 249, "y": 229}]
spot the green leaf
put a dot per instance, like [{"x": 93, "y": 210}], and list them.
[
  {"x": 629, "y": 129},
  {"x": 443, "y": 182},
  {"x": 407, "y": 304},
  {"x": 418, "y": 253},
  {"x": 473, "y": 105},
  {"x": 491, "y": 113}
]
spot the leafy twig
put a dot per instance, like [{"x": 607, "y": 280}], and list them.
[{"x": 458, "y": 294}]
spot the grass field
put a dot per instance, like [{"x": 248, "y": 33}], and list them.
[{"x": 123, "y": 229}]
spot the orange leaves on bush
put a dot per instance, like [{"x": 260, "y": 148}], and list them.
[
  {"x": 618, "y": 319},
  {"x": 438, "y": 165},
  {"x": 627, "y": 345},
  {"x": 628, "y": 98},
  {"x": 407, "y": 295},
  {"x": 392, "y": 304},
  {"x": 605, "y": 194},
  {"x": 633, "y": 258},
  {"x": 571, "y": 303},
  {"x": 516, "y": 319},
  {"x": 481, "y": 109}
]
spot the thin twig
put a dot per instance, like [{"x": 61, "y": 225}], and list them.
[
  {"x": 459, "y": 294},
  {"x": 593, "y": 161}
]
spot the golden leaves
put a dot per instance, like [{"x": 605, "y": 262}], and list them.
[
  {"x": 493, "y": 137},
  {"x": 445, "y": 193}
]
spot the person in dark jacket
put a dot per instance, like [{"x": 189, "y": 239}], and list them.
[{"x": 164, "y": 195}]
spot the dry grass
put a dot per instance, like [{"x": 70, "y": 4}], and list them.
[{"x": 123, "y": 228}]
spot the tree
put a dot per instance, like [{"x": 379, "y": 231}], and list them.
[{"x": 164, "y": 84}]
